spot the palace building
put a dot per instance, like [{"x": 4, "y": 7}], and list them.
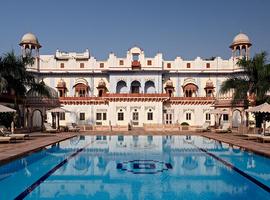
[{"x": 136, "y": 90}]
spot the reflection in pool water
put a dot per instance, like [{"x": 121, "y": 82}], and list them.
[{"x": 141, "y": 167}]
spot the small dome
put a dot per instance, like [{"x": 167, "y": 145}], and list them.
[
  {"x": 61, "y": 84},
  {"x": 29, "y": 38},
  {"x": 209, "y": 83},
  {"x": 101, "y": 83},
  {"x": 241, "y": 38},
  {"x": 53, "y": 93},
  {"x": 169, "y": 83}
]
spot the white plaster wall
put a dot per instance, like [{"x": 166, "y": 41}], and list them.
[
  {"x": 198, "y": 114},
  {"x": 142, "y": 108}
]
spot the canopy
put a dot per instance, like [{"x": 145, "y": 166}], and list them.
[
  {"x": 58, "y": 110},
  {"x": 6, "y": 109},
  {"x": 216, "y": 111},
  {"x": 263, "y": 108}
]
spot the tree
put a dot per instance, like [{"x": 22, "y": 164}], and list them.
[
  {"x": 252, "y": 84},
  {"x": 16, "y": 80}
]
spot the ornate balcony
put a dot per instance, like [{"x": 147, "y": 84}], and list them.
[{"x": 136, "y": 65}]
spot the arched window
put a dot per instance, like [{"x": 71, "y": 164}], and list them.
[
  {"x": 135, "y": 87},
  {"x": 121, "y": 87},
  {"x": 190, "y": 90},
  {"x": 120, "y": 115},
  {"x": 149, "y": 87},
  {"x": 81, "y": 90},
  {"x": 150, "y": 115}
]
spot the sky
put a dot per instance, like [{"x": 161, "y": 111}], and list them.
[{"x": 185, "y": 28}]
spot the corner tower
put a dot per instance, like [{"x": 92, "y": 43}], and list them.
[
  {"x": 241, "y": 46},
  {"x": 30, "y": 46}
]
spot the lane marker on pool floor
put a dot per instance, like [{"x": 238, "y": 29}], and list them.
[
  {"x": 48, "y": 174},
  {"x": 239, "y": 171}
]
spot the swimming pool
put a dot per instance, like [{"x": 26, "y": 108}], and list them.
[{"x": 137, "y": 167}]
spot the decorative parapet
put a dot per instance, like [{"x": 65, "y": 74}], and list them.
[
  {"x": 192, "y": 100},
  {"x": 78, "y": 56},
  {"x": 115, "y": 97},
  {"x": 228, "y": 103},
  {"x": 82, "y": 100},
  {"x": 136, "y": 97}
]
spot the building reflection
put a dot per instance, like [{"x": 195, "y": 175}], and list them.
[{"x": 93, "y": 173}]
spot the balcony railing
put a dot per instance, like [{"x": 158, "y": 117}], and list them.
[{"x": 136, "y": 65}]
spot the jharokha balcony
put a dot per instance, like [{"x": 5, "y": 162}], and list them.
[
  {"x": 136, "y": 65},
  {"x": 135, "y": 97}
]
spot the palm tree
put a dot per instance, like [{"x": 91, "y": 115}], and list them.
[
  {"x": 14, "y": 77},
  {"x": 16, "y": 80},
  {"x": 252, "y": 84}
]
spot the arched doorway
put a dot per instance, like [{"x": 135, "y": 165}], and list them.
[
  {"x": 236, "y": 119},
  {"x": 121, "y": 87},
  {"x": 37, "y": 119},
  {"x": 149, "y": 87},
  {"x": 135, "y": 87}
]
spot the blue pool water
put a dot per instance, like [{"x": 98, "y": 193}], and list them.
[{"x": 137, "y": 167}]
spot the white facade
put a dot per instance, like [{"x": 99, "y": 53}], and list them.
[{"x": 137, "y": 90}]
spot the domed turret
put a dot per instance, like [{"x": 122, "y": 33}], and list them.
[
  {"x": 101, "y": 83},
  {"x": 209, "y": 88},
  {"x": 241, "y": 46},
  {"x": 209, "y": 83},
  {"x": 62, "y": 88},
  {"x": 102, "y": 89},
  {"x": 169, "y": 89},
  {"x": 241, "y": 38},
  {"x": 30, "y": 41},
  {"x": 30, "y": 47},
  {"x": 169, "y": 83},
  {"x": 61, "y": 84}
]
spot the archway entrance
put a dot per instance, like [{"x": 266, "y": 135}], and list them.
[
  {"x": 236, "y": 119},
  {"x": 37, "y": 120}
]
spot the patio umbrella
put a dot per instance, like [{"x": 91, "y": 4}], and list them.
[
  {"x": 216, "y": 111},
  {"x": 58, "y": 110},
  {"x": 6, "y": 109},
  {"x": 263, "y": 108}
]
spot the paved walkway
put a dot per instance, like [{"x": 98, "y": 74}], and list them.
[
  {"x": 11, "y": 151},
  {"x": 241, "y": 141}
]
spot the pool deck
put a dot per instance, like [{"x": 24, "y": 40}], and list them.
[
  {"x": 11, "y": 151},
  {"x": 14, "y": 150}
]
